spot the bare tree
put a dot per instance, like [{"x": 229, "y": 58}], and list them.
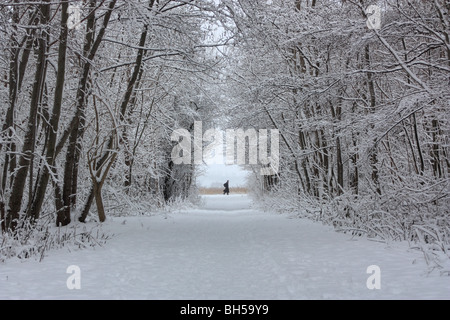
[{"x": 15, "y": 202}]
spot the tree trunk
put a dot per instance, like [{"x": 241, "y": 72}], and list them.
[
  {"x": 99, "y": 202},
  {"x": 34, "y": 212},
  {"x": 435, "y": 154},
  {"x": 419, "y": 149},
  {"x": 87, "y": 205},
  {"x": 9, "y": 120},
  {"x": 372, "y": 102},
  {"x": 137, "y": 72},
  {"x": 76, "y": 134},
  {"x": 63, "y": 217},
  {"x": 16, "y": 73},
  {"x": 17, "y": 191},
  {"x": 354, "y": 180},
  {"x": 340, "y": 167},
  {"x": 123, "y": 109}
]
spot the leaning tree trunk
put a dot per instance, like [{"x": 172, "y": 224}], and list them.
[
  {"x": 123, "y": 110},
  {"x": 77, "y": 131}
]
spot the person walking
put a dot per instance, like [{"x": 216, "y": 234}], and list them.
[{"x": 227, "y": 188}]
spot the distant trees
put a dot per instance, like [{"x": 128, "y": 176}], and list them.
[
  {"x": 363, "y": 114},
  {"x": 94, "y": 104}
]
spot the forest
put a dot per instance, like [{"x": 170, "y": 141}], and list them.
[{"x": 91, "y": 92}]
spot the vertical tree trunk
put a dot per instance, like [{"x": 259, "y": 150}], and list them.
[
  {"x": 340, "y": 167},
  {"x": 372, "y": 102},
  {"x": 36, "y": 206},
  {"x": 302, "y": 142},
  {"x": 9, "y": 120},
  {"x": 16, "y": 74},
  {"x": 354, "y": 180},
  {"x": 336, "y": 114},
  {"x": 435, "y": 159},
  {"x": 63, "y": 217},
  {"x": 339, "y": 162},
  {"x": 326, "y": 163},
  {"x": 17, "y": 191}
]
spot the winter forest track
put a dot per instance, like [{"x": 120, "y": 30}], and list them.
[{"x": 225, "y": 250}]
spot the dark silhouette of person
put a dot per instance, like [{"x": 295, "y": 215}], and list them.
[{"x": 227, "y": 188}]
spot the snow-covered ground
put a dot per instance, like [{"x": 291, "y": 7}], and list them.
[{"x": 225, "y": 250}]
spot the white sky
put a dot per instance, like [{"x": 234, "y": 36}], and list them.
[
  {"x": 215, "y": 175},
  {"x": 215, "y": 172}
]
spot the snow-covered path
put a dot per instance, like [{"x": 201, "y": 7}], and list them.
[{"x": 225, "y": 250}]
